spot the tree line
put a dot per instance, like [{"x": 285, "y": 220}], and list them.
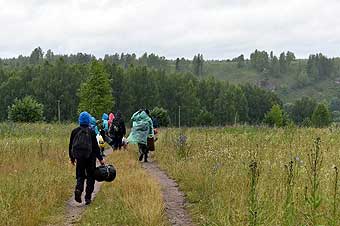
[
  {"x": 125, "y": 83},
  {"x": 203, "y": 101}
]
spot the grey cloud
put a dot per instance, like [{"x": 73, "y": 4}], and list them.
[{"x": 217, "y": 28}]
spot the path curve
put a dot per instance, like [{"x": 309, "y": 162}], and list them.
[
  {"x": 75, "y": 210},
  {"x": 173, "y": 198}
]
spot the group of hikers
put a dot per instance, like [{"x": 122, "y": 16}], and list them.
[{"x": 87, "y": 143}]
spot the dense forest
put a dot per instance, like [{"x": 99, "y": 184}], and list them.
[{"x": 151, "y": 81}]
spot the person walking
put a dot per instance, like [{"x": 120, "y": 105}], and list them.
[
  {"x": 83, "y": 151},
  {"x": 142, "y": 128},
  {"x": 111, "y": 118},
  {"x": 93, "y": 125},
  {"x": 117, "y": 131},
  {"x": 105, "y": 123}
]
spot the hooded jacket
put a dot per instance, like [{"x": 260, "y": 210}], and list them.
[
  {"x": 142, "y": 128},
  {"x": 93, "y": 125},
  {"x": 84, "y": 122},
  {"x": 105, "y": 119},
  {"x": 118, "y": 122},
  {"x": 111, "y": 118}
]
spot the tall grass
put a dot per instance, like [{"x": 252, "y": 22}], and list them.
[
  {"x": 134, "y": 198},
  {"x": 226, "y": 186},
  {"x": 36, "y": 178}
]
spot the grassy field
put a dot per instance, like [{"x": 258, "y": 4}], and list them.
[
  {"x": 231, "y": 176},
  {"x": 37, "y": 180},
  {"x": 36, "y": 177},
  {"x": 256, "y": 176}
]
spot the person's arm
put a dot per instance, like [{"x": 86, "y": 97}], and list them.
[
  {"x": 151, "y": 133},
  {"x": 70, "y": 147},
  {"x": 96, "y": 150}
]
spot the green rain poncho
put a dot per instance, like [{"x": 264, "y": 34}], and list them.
[{"x": 141, "y": 128}]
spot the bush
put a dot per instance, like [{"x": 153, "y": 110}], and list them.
[
  {"x": 161, "y": 115},
  {"x": 205, "y": 118},
  {"x": 336, "y": 116},
  {"x": 321, "y": 116},
  {"x": 275, "y": 116},
  {"x": 302, "y": 109},
  {"x": 25, "y": 110}
]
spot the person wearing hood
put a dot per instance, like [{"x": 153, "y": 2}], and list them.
[
  {"x": 105, "y": 124},
  {"x": 93, "y": 125},
  {"x": 111, "y": 118},
  {"x": 117, "y": 131},
  {"x": 104, "y": 129},
  {"x": 142, "y": 128},
  {"x": 83, "y": 151}
]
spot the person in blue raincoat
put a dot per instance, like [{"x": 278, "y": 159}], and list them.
[
  {"x": 142, "y": 128},
  {"x": 100, "y": 140},
  {"x": 93, "y": 125},
  {"x": 105, "y": 118}
]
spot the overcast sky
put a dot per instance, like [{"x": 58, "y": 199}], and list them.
[{"x": 219, "y": 29}]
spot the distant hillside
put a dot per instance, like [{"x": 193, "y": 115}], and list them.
[
  {"x": 289, "y": 86},
  {"x": 293, "y": 84},
  {"x": 290, "y": 78}
]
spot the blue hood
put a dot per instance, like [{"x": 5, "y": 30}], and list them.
[
  {"x": 93, "y": 121},
  {"x": 84, "y": 118},
  {"x": 105, "y": 116}
]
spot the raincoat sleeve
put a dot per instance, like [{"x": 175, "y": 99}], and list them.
[{"x": 151, "y": 132}]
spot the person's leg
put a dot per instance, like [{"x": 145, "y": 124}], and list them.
[
  {"x": 80, "y": 175},
  {"x": 112, "y": 141},
  {"x": 141, "y": 151},
  {"x": 115, "y": 143},
  {"x": 146, "y": 153},
  {"x": 90, "y": 181},
  {"x": 102, "y": 152},
  {"x": 119, "y": 142}
]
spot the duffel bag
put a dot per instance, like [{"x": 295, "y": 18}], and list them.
[{"x": 105, "y": 173}]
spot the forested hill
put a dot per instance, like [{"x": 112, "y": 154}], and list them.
[
  {"x": 290, "y": 78},
  {"x": 49, "y": 77}
]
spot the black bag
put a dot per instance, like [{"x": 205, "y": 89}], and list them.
[
  {"x": 82, "y": 144},
  {"x": 151, "y": 144},
  {"x": 105, "y": 173}
]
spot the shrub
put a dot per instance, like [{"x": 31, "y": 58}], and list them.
[
  {"x": 321, "y": 116},
  {"x": 205, "y": 118},
  {"x": 161, "y": 115},
  {"x": 25, "y": 110},
  {"x": 275, "y": 116}
]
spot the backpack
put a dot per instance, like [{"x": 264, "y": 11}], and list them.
[
  {"x": 82, "y": 144},
  {"x": 115, "y": 127}
]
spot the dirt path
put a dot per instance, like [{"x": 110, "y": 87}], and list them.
[
  {"x": 173, "y": 197},
  {"x": 75, "y": 210}
]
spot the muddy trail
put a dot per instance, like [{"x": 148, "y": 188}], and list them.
[
  {"x": 173, "y": 198},
  {"x": 75, "y": 210}
]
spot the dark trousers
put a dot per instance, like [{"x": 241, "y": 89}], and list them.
[
  {"x": 84, "y": 170},
  {"x": 117, "y": 142},
  {"x": 143, "y": 150}
]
